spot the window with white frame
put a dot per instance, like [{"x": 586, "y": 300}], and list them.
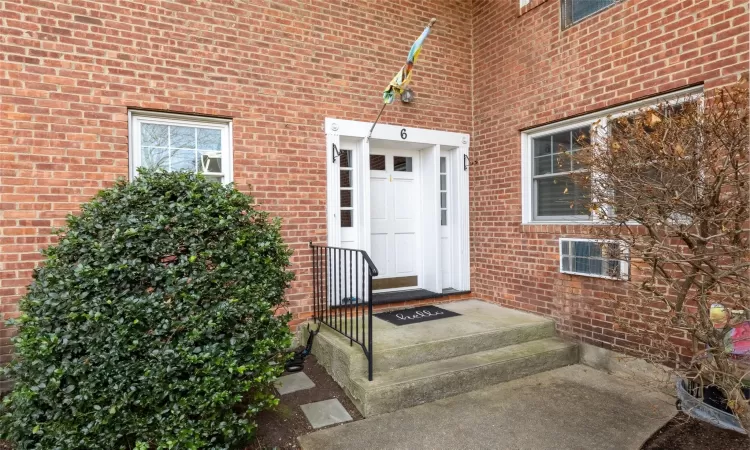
[
  {"x": 556, "y": 195},
  {"x": 181, "y": 142},
  {"x": 548, "y": 158},
  {"x": 594, "y": 258}
]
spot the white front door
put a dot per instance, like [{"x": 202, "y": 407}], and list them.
[
  {"x": 446, "y": 213},
  {"x": 395, "y": 218}
]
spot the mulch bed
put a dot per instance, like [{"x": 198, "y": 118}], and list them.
[
  {"x": 685, "y": 433},
  {"x": 280, "y": 427}
]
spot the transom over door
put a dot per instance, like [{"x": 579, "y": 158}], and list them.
[{"x": 394, "y": 218}]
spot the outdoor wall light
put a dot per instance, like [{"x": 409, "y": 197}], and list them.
[{"x": 407, "y": 96}]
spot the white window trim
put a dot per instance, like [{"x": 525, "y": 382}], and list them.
[
  {"x": 527, "y": 156},
  {"x": 529, "y": 148},
  {"x": 624, "y": 263},
  {"x": 138, "y": 117}
]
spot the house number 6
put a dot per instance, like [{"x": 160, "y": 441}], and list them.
[{"x": 403, "y": 133}]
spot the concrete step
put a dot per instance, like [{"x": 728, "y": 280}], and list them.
[
  {"x": 388, "y": 359},
  {"x": 481, "y": 326},
  {"x": 427, "y": 361},
  {"x": 427, "y": 382}
]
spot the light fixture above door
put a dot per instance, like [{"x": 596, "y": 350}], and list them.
[{"x": 407, "y": 96}]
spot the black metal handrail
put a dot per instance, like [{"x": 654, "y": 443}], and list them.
[{"x": 342, "y": 294}]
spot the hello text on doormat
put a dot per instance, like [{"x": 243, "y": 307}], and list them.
[{"x": 416, "y": 315}]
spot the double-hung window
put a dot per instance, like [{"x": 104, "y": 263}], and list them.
[
  {"x": 175, "y": 142},
  {"x": 549, "y": 166},
  {"x": 556, "y": 195}
]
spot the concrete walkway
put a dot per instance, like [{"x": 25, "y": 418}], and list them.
[{"x": 575, "y": 407}]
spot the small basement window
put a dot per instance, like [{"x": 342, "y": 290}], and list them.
[
  {"x": 181, "y": 142},
  {"x": 594, "y": 258},
  {"x": 573, "y": 11}
]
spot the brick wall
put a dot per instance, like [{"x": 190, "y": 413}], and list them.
[
  {"x": 70, "y": 69},
  {"x": 528, "y": 72}
]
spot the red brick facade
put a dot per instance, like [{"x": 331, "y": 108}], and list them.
[
  {"x": 528, "y": 72},
  {"x": 71, "y": 69}
]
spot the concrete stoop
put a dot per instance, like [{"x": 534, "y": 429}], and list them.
[{"x": 428, "y": 361}]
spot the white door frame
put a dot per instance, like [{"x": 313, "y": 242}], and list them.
[{"x": 352, "y": 135}]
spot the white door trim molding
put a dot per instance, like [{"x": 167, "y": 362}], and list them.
[
  {"x": 340, "y": 131},
  {"x": 394, "y": 133},
  {"x": 430, "y": 236}
]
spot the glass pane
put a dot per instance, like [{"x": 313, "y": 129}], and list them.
[
  {"x": 153, "y": 135},
  {"x": 443, "y": 217},
  {"x": 443, "y": 182},
  {"x": 542, "y": 165},
  {"x": 346, "y": 158},
  {"x": 561, "y": 162},
  {"x": 210, "y": 161},
  {"x": 209, "y": 139},
  {"x": 587, "y": 248},
  {"x": 346, "y": 218},
  {"x": 443, "y": 199},
  {"x": 155, "y": 158},
  {"x": 346, "y": 198},
  {"x": 583, "y": 8},
  {"x": 565, "y": 261},
  {"x": 542, "y": 146},
  {"x": 596, "y": 266},
  {"x": 581, "y": 265},
  {"x": 402, "y": 163},
  {"x": 559, "y": 196},
  {"x": 576, "y": 164},
  {"x": 346, "y": 178},
  {"x": 215, "y": 178},
  {"x": 580, "y": 137},
  {"x": 181, "y": 137},
  {"x": 442, "y": 164},
  {"x": 183, "y": 160},
  {"x": 613, "y": 269},
  {"x": 595, "y": 249},
  {"x": 565, "y": 247},
  {"x": 561, "y": 142},
  {"x": 579, "y": 249},
  {"x": 377, "y": 162}
]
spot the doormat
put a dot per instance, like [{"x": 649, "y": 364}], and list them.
[{"x": 415, "y": 315}]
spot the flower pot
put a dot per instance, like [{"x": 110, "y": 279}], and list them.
[{"x": 708, "y": 406}]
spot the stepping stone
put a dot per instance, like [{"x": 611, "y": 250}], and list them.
[
  {"x": 327, "y": 412},
  {"x": 293, "y": 383}
]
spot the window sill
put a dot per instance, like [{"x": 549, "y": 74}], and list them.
[
  {"x": 559, "y": 222},
  {"x": 591, "y": 275},
  {"x": 571, "y": 222}
]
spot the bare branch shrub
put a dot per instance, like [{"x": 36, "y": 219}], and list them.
[{"x": 673, "y": 183}]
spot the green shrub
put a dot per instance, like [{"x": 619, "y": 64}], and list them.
[{"x": 151, "y": 324}]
